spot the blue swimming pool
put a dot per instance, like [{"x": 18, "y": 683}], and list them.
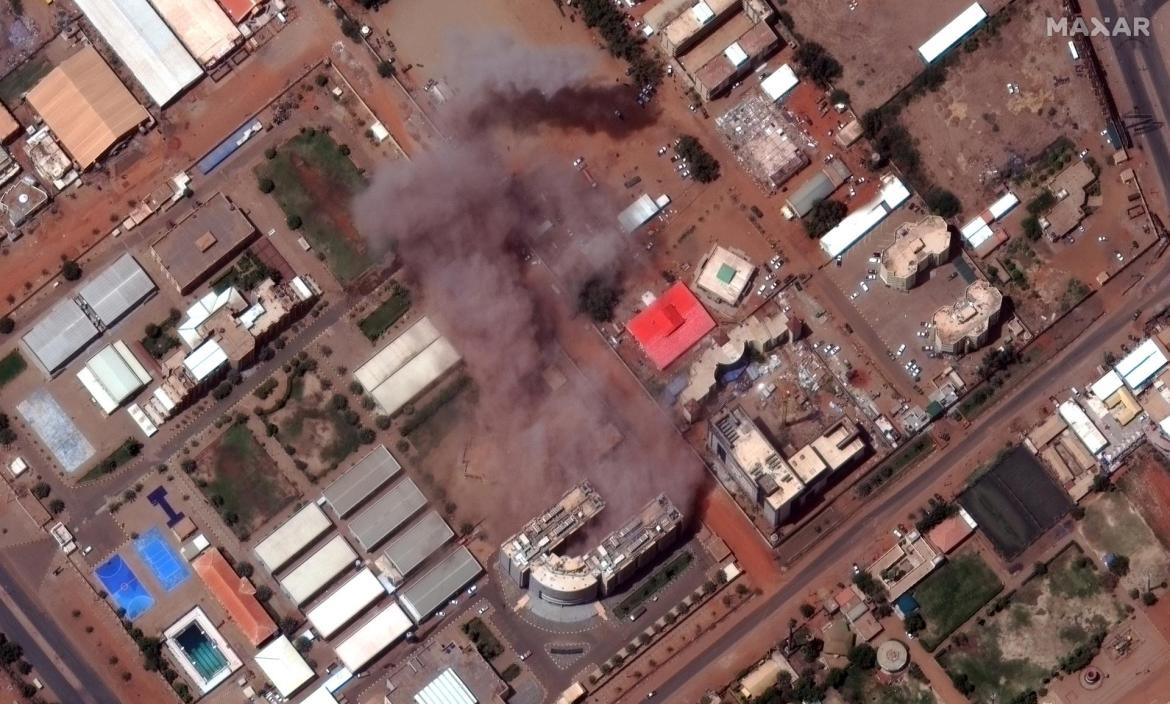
[
  {"x": 123, "y": 587},
  {"x": 167, "y": 566}
]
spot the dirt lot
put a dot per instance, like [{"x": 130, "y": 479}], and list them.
[
  {"x": 973, "y": 131},
  {"x": 318, "y": 428},
  {"x": 876, "y": 42},
  {"x": 241, "y": 480},
  {"x": 21, "y": 35},
  {"x": 1147, "y": 485},
  {"x": 1113, "y": 525},
  {"x": 1047, "y": 618}
]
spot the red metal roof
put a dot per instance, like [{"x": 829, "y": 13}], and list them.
[
  {"x": 671, "y": 326},
  {"x": 239, "y": 10},
  {"x": 947, "y": 535},
  {"x": 236, "y": 594}
]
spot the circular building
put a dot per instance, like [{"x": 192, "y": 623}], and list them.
[{"x": 892, "y": 656}]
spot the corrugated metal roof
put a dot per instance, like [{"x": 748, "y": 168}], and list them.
[
  {"x": 8, "y": 124},
  {"x": 373, "y": 637},
  {"x": 239, "y": 10},
  {"x": 284, "y": 666},
  {"x": 361, "y": 480},
  {"x": 86, "y": 106},
  {"x": 780, "y": 82},
  {"x": 114, "y": 291},
  {"x": 318, "y": 570},
  {"x": 112, "y": 376},
  {"x": 293, "y": 536},
  {"x": 418, "y": 542},
  {"x": 345, "y": 603},
  {"x": 387, "y": 514},
  {"x": 396, "y": 354},
  {"x": 416, "y": 375},
  {"x": 145, "y": 44},
  {"x": 954, "y": 30},
  {"x": 447, "y": 688},
  {"x": 858, "y": 223},
  {"x": 205, "y": 360},
  {"x": 638, "y": 213},
  {"x": 671, "y": 326},
  {"x": 202, "y": 27},
  {"x": 60, "y": 334},
  {"x": 425, "y": 595}
]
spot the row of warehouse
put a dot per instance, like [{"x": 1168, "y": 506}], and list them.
[
  {"x": 379, "y": 506},
  {"x": 166, "y": 44}
]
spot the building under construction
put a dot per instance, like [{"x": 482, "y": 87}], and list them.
[{"x": 529, "y": 557}]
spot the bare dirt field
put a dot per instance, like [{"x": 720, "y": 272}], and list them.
[
  {"x": 1147, "y": 484},
  {"x": 1113, "y": 525},
  {"x": 242, "y": 481},
  {"x": 974, "y": 130},
  {"x": 877, "y": 42},
  {"x": 21, "y": 35}
]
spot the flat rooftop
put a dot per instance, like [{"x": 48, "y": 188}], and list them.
[
  {"x": 546, "y": 532},
  {"x": 840, "y": 444},
  {"x": 766, "y": 143},
  {"x": 970, "y": 315},
  {"x": 915, "y": 245},
  {"x": 203, "y": 242},
  {"x": 362, "y": 480},
  {"x": 756, "y": 455},
  {"x": 725, "y": 275},
  {"x": 387, "y": 514}
]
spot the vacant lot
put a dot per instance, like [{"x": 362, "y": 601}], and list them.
[
  {"x": 317, "y": 427},
  {"x": 953, "y": 594},
  {"x": 1015, "y": 502},
  {"x": 1147, "y": 484},
  {"x": 876, "y": 42},
  {"x": 241, "y": 480},
  {"x": 1113, "y": 525},
  {"x": 1043, "y": 622},
  {"x": 973, "y": 132},
  {"x": 313, "y": 181}
]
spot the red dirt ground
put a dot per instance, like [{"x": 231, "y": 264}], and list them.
[{"x": 725, "y": 519}]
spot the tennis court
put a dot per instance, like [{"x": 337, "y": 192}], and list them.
[
  {"x": 1015, "y": 502},
  {"x": 123, "y": 587},
  {"x": 167, "y": 566}
]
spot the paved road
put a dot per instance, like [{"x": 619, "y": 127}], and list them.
[
  {"x": 885, "y": 512},
  {"x": 90, "y": 689},
  {"x": 1135, "y": 58}
]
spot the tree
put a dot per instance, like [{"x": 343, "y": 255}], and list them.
[
  {"x": 807, "y": 610},
  {"x": 598, "y": 298},
  {"x": 704, "y": 167},
  {"x": 7, "y": 325},
  {"x": 943, "y": 203},
  {"x": 863, "y": 656},
  {"x": 70, "y": 270},
  {"x": 56, "y": 506},
  {"x": 41, "y": 490},
  {"x": 818, "y": 63},
  {"x": 1149, "y": 598},
  {"x": 386, "y": 69},
  {"x": 915, "y": 623},
  {"x": 823, "y": 217},
  {"x": 222, "y": 391},
  {"x": 266, "y": 185},
  {"x": 1119, "y": 565},
  {"x": 263, "y": 592},
  {"x": 1031, "y": 227},
  {"x": 294, "y": 222}
]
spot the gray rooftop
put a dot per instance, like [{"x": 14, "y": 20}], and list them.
[
  {"x": 60, "y": 334},
  {"x": 384, "y": 516},
  {"x": 426, "y": 594},
  {"x": 361, "y": 480},
  {"x": 418, "y": 542},
  {"x": 115, "y": 290}
]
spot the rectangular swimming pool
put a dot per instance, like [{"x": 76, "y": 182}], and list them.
[
  {"x": 203, "y": 655},
  {"x": 167, "y": 566},
  {"x": 124, "y": 587}
]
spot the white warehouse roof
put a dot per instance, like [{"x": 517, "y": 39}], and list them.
[
  {"x": 293, "y": 536},
  {"x": 345, "y": 603},
  {"x": 954, "y": 30},
  {"x": 360, "y": 481},
  {"x": 145, "y": 44},
  {"x": 205, "y": 360},
  {"x": 318, "y": 570},
  {"x": 447, "y": 688},
  {"x": 113, "y": 375},
  {"x": 1107, "y": 385},
  {"x": 373, "y": 637},
  {"x": 1083, "y": 427},
  {"x": 202, "y": 27},
  {"x": 1003, "y": 205},
  {"x": 407, "y": 366},
  {"x": 857, "y": 224},
  {"x": 638, "y": 213},
  {"x": 432, "y": 589},
  {"x": 283, "y": 666},
  {"x": 114, "y": 291},
  {"x": 1139, "y": 366},
  {"x": 780, "y": 82},
  {"x": 60, "y": 334}
]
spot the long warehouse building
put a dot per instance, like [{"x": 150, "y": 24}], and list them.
[
  {"x": 202, "y": 27},
  {"x": 307, "y": 579},
  {"x": 346, "y": 603},
  {"x": 413, "y": 546},
  {"x": 145, "y": 44},
  {"x": 293, "y": 536},
  {"x": 373, "y": 637},
  {"x": 430, "y": 591},
  {"x": 382, "y": 517},
  {"x": 407, "y": 366},
  {"x": 362, "y": 480}
]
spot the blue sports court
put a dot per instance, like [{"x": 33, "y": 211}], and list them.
[
  {"x": 167, "y": 566},
  {"x": 123, "y": 587}
]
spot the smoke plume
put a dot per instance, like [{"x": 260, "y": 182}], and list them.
[{"x": 462, "y": 217}]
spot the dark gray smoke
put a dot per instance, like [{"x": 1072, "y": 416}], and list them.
[{"x": 462, "y": 216}]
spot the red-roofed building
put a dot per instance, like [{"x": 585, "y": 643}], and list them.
[
  {"x": 236, "y": 594},
  {"x": 671, "y": 326},
  {"x": 239, "y": 10},
  {"x": 947, "y": 536}
]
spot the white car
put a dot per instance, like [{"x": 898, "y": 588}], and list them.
[{"x": 864, "y": 286}]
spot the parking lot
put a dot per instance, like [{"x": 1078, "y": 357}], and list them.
[{"x": 900, "y": 318}]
